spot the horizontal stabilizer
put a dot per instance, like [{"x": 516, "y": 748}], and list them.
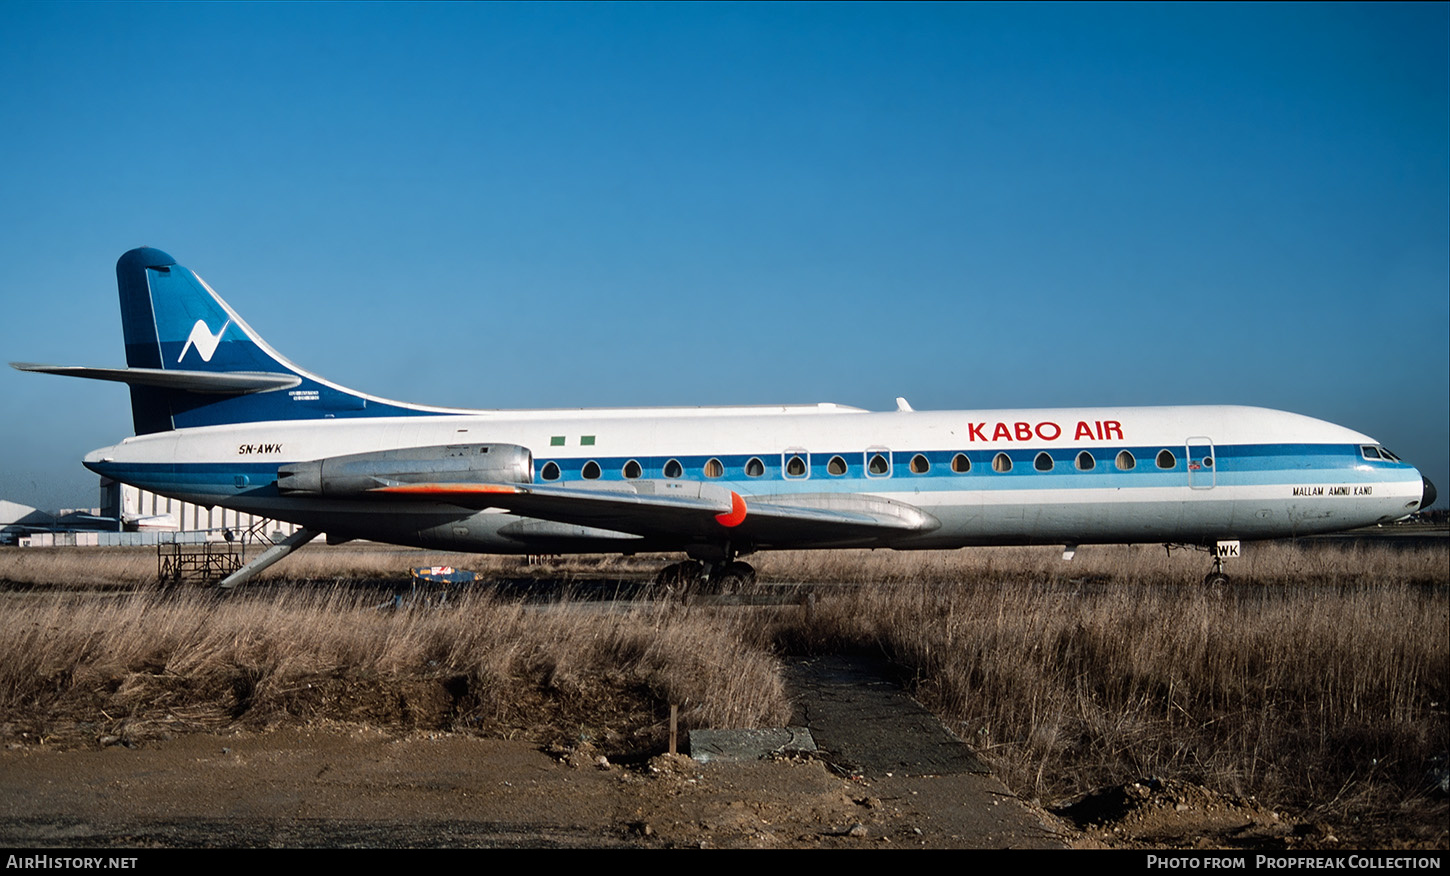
[{"x": 207, "y": 382}]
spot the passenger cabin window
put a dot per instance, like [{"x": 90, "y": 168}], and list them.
[
  {"x": 1085, "y": 461},
  {"x": 837, "y": 466},
  {"x": 673, "y": 469},
  {"x": 714, "y": 468},
  {"x": 920, "y": 464},
  {"x": 550, "y": 472},
  {"x": 591, "y": 471},
  {"x": 1166, "y": 459},
  {"x": 796, "y": 466},
  {"x": 960, "y": 463},
  {"x": 632, "y": 470},
  {"x": 1002, "y": 463},
  {"x": 754, "y": 468},
  {"x": 878, "y": 465},
  {"x": 1043, "y": 461},
  {"x": 1125, "y": 461}
]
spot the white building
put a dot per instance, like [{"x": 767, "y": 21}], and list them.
[{"x": 141, "y": 511}]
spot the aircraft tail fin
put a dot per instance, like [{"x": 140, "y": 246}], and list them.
[
  {"x": 193, "y": 361},
  {"x": 173, "y": 321}
]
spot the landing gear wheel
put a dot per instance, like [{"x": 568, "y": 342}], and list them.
[
  {"x": 733, "y": 578},
  {"x": 1215, "y": 579},
  {"x": 680, "y": 576}
]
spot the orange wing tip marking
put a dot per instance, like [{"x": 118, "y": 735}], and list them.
[
  {"x": 444, "y": 489},
  {"x": 736, "y": 515}
]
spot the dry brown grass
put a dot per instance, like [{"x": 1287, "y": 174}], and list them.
[
  {"x": 148, "y": 661},
  {"x": 1323, "y": 684}
]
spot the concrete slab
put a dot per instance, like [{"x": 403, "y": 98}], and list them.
[{"x": 734, "y": 746}]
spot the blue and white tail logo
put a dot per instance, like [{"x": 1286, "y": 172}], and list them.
[
  {"x": 204, "y": 341},
  {"x": 167, "y": 311}
]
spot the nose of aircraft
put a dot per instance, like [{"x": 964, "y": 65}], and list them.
[{"x": 1427, "y": 498}]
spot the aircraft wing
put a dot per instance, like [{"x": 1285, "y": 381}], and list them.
[{"x": 688, "y": 509}]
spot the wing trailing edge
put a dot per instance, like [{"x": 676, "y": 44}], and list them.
[{"x": 688, "y": 509}]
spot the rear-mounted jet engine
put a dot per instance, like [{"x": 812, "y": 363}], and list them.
[{"x": 357, "y": 473}]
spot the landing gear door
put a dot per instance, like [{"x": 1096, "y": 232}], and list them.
[{"x": 1202, "y": 467}]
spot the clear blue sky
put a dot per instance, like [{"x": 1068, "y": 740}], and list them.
[{"x": 520, "y": 205}]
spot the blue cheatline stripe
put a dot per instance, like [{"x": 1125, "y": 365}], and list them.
[
  {"x": 1233, "y": 467},
  {"x": 1244, "y": 465}
]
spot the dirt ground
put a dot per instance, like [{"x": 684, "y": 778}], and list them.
[
  {"x": 342, "y": 787},
  {"x": 337, "y": 786}
]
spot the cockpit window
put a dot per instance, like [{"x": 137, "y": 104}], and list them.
[
  {"x": 1369, "y": 451},
  {"x": 1385, "y": 452}
]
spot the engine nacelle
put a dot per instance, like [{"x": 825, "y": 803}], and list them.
[{"x": 446, "y": 464}]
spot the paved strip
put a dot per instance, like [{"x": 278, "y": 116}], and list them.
[{"x": 867, "y": 727}]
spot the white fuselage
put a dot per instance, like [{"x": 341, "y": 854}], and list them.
[{"x": 1066, "y": 475}]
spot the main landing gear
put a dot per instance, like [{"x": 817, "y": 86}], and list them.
[{"x": 709, "y": 570}]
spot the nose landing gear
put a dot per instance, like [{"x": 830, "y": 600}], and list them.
[{"x": 1218, "y": 577}]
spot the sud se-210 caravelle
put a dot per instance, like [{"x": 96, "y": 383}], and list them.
[{"x": 223, "y": 419}]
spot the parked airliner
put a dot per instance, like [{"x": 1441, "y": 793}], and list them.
[{"x": 221, "y": 418}]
